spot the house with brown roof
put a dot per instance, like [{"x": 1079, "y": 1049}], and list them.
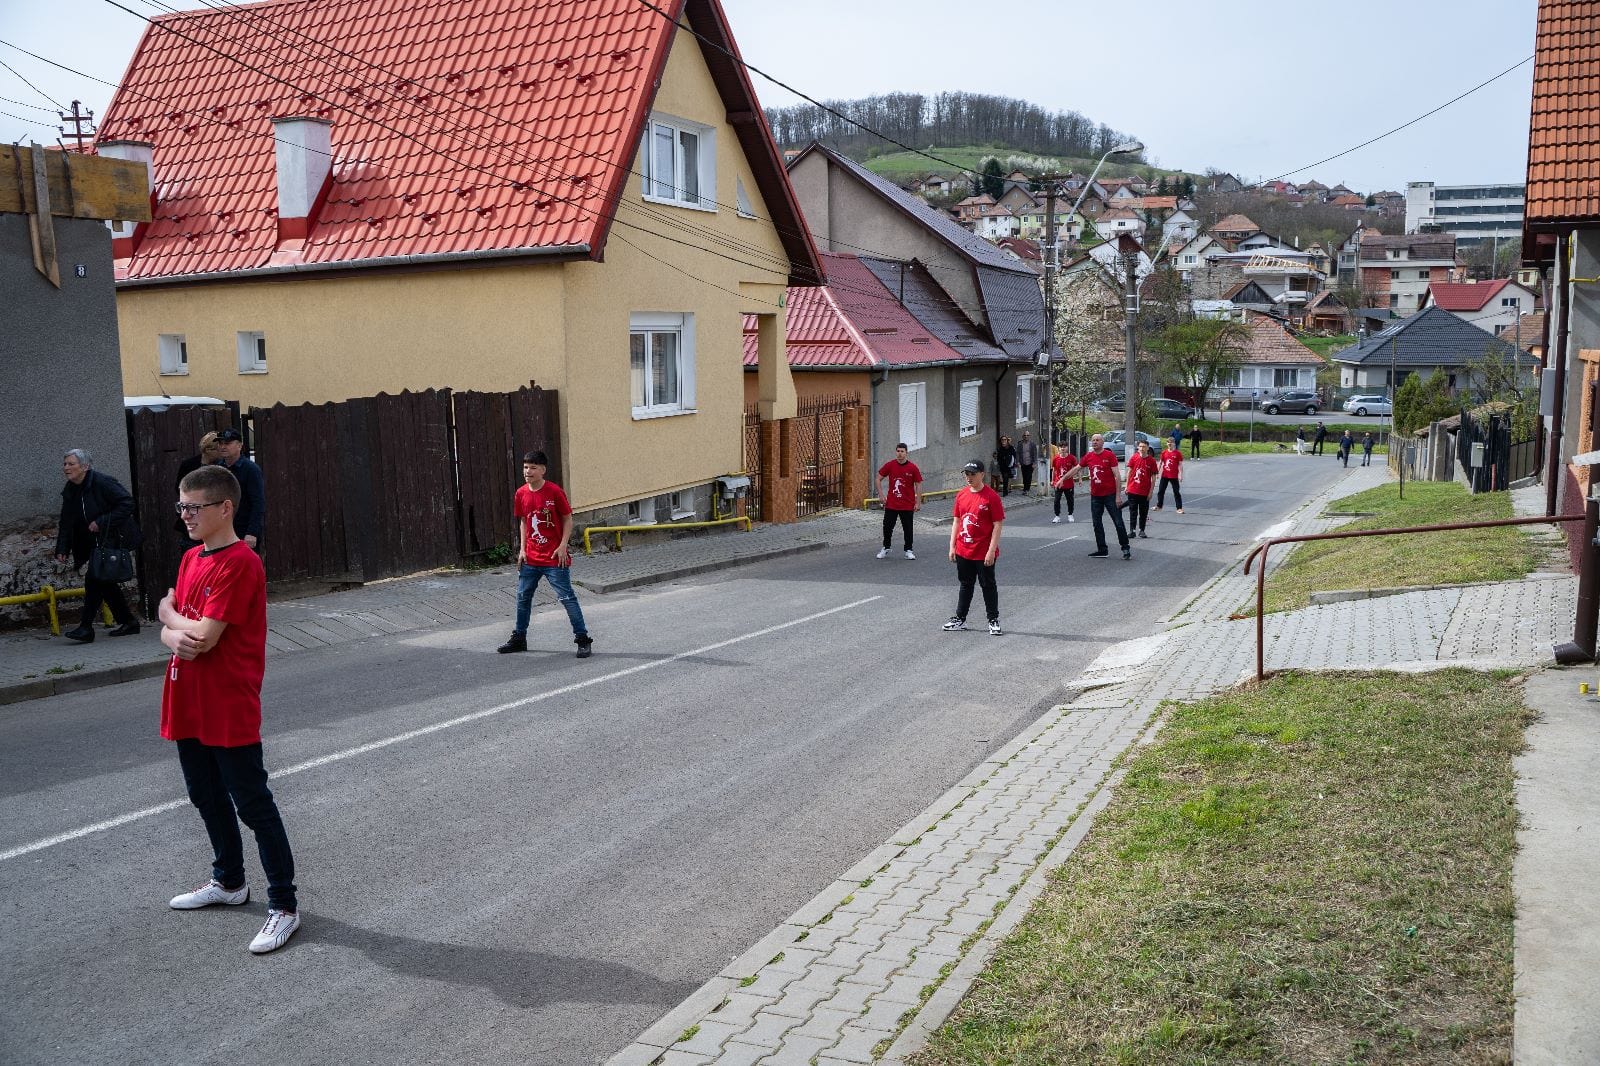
[
  {"x": 592, "y": 202},
  {"x": 1233, "y": 228},
  {"x": 1117, "y": 220},
  {"x": 1398, "y": 270},
  {"x": 1272, "y": 360}
]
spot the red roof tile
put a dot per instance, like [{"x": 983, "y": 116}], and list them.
[
  {"x": 1564, "y": 126},
  {"x": 1465, "y": 296},
  {"x": 1235, "y": 224},
  {"x": 458, "y": 126}
]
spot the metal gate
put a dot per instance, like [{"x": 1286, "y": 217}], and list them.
[
  {"x": 752, "y": 460},
  {"x": 819, "y": 439}
]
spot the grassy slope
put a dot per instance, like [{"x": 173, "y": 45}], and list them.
[
  {"x": 899, "y": 165},
  {"x": 1315, "y": 871}
]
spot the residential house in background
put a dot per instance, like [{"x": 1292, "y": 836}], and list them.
[
  {"x": 310, "y": 245},
  {"x": 1471, "y": 213},
  {"x": 1017, "y": 198},
  {"x": 1398, "y": 270},
  {"x": 1117, "y": 221},
  {"x": 1432, "y": 340},
  {"x": 1486, "y": 304},
  {"x": 1033, "y": 222},
  {"x": 1272, "y": 360},
  {"x": 1526, "y": 333},
  {"x": 1233, "y": 228},
  {"x": 1026, "y": 250}
]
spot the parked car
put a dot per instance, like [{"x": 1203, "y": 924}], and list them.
[
  {"x": 1115, "y": 402},
  {"x": 1116, "y": 442},
  {"x": 1160, "y": 406},
  {"x": 1368, "y": 405},
  {"x": 1292, "y": 402}
]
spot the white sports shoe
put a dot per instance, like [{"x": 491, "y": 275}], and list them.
[
  {"x": 279, "y": 928},
  {"x": 910, "y": 554},
  {"x": 1071, "y": 519},
  {"x": 883, "y": 553},
  {"x": 209, "y": 893},
  {"x": 1056, "y": 519}
]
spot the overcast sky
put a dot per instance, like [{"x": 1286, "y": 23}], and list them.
[{"x": 1204, "y": 83}]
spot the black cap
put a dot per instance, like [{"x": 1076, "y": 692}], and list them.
[
  {"x": 974, "y": 467},
  {"x": 229, "y": 434}
]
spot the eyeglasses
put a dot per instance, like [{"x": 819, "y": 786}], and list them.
[{"x": 187, "y": 509}]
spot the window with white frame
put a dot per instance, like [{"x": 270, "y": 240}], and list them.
[
  {"x": 1228, "y": 379},
  {"x": 1024, "y": 398},
  {"x": 678, "y": 160},
  {"x": 661, "y": 363},
  {"x": 1285, "y": 377},
  {"x": 914, "y": 416},
  {"x": 252, "y": 345},
  {"x": 174, "y": 353},
  {"x": 969, "y": 408}
]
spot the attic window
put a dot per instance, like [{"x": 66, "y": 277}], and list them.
[
  {"x": 743, "y": 199},
  {"x": 678, "y": 160}
]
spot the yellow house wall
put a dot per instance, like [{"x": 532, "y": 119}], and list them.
[
  {"x": 498, "y": 327},
  {"x": 815, "y": 384}
]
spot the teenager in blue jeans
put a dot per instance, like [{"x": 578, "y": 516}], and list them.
[{"x": 544, "y": 525}]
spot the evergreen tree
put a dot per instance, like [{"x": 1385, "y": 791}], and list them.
[
  {"x": 1161, "y": 187},
  {"x": 1188, "y": 188},
  {"x": 994, "y": 180}
]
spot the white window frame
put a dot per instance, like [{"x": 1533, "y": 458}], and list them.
[
  {"x": 915, "y": 435},
  {"x": 172, "y": 349},
  {"x": 975, "y": 389},
  {"x": 1024, "y": 398},
  {"x": 651, "y": 324},
  {"x": 652, "y": 186},
  {"x": 252, "y": 350},
  {"x": 1285, "y": 377},
  {"x": 679, "y": 507}
]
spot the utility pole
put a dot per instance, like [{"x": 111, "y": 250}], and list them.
[
  {"x": 79, "y": 118},
  {"x": 1130, "y": 249},
  {"x": 1051, "y": 264}
]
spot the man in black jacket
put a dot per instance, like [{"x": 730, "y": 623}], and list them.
[
  {"x": 251, "y": 517},
  {"x": 95, "y": 508}
]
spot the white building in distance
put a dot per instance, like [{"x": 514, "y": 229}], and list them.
[{"x": 1474, "y": 213}]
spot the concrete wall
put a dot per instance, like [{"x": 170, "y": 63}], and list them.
[
  {"x": 810, "y": 385},
  {"x": 947, "y": 451},
  {"x": 59, "y": 371},
  {"x": 1583, "y": 332}
]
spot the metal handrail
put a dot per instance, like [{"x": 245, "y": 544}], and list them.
[
  {"x": 48, "y": 595},
  {"x": 1262, "y": 548},
  {"x": 646, "y": 527}
]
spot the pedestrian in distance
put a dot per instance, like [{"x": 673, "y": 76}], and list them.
[
  {"x": 1063, "y": 473},
  {"x": 214, "y": 620},
  {"x": 1005, "y": 460},
  {"x": 1104, "y": 489},
  {"x": 1141, "y": 479},
  {"x": 1347, "y": 444},
  {"x": 251, "y": 518},
  {"x": 1300, "y": 440},
  {"x": 96, "y": 512},
  {"x": 1366, "y": 449},
  {"x": 1177, "y": 435},
  {"x": 544, "y": 525},
  {"x": 901, "y": 501},
  {"x": 1170, "y": 462},
  {"x": 1194, "y": 441},
  {"x": 210, "y": 451},
  {"x": 1317, "y": 439},
  {"x": 1027, "y": 459},
  {"x": 977, "y": 518}
]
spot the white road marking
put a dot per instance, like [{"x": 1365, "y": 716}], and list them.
[
  {"x": 1053, "y": 543},
  {"x": 350, "y": 753},
  {"x": 1276, "y": 531}
]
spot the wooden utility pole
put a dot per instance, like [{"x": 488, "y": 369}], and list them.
[{"x": 79, "y": 118}]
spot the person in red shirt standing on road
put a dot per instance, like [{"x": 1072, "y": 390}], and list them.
[
  {"x": 544, "y": 525},
  {"x": 1104, "y": 485},
  {"x": 215, "y": 623},
  {"x": 1063, "y": 471},
  {"x": 1171, "y": 464},
  {"x": 977, "y": 517},
  {"x": 901, "y": 501},
  {"x": 1141, "y": 479}
]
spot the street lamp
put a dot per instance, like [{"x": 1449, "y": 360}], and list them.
[{"x": 1121, "y": 149}]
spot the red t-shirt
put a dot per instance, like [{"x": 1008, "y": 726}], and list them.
[
  {"x": 1171, "y": 460},
  {"x": 216, "y": 698},
  {"x": 975, "y": 514},
  {"x": 904, "y": 478},
  {"x": 544, "y": 511},
  {"x": 1059, "y": 467},
  {"x": 1102, "y": 467},
  {"x": 1141, "y": 474}
]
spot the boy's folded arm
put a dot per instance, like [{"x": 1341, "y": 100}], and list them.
[{"x": 206, "y": 632}]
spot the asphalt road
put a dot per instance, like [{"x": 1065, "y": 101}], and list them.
[{"x": 530, "y": 858}]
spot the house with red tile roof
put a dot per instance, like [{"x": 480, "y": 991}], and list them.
[
  {"x": 355, "y": 196},
  {"x": 1233, "y": 228},
  {"x": 1486, "y": 304}
]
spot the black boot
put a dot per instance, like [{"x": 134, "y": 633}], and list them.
[
  {"x": 130, "y": 628},
  {"x": 84, "y": 634},
  {"x": 516, "y": 642},
  {"x": 585, "y": 646}
]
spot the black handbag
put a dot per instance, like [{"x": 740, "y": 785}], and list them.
[{"x": 111, "y": 564}]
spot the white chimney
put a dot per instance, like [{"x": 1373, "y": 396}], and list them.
[
  {"x": 304, "y": 151},
  {"x": 124, "y": 234}
]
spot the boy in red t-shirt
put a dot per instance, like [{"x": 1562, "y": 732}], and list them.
[
  {"x": 1141, "y": 479},
  {"x": 544, "y": 525},
  {"x": 1063, "y": 471},
  {"x": 1104, "y": 486},
  {"x": 1171, "y": 464},
  {"x": 975, "y": 525},
  {"x": 902, "y": 499},
  {"x": 215, "y": 622}
]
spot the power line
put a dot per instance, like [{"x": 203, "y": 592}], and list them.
[
  {"x": 31, "y": 85},
  {"x": 24, "y": 103},
  {"x": 27, "y": 121}
]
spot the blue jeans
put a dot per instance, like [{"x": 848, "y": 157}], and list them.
[
  {"x": 560, "y": 578},
  {"x": 229, "y": 786}
]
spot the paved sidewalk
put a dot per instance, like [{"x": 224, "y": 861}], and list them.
[{"x": 876, "y": 962}]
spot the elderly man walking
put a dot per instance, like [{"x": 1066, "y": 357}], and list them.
[{"x": 1027, "y": 459}]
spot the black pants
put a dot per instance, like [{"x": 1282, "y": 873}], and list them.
[
  {"x": 1138, "y": 512},
  {"x": 1366, "y": 457},
  {"x": 1177, "y": 493},
  {"x": 1067, "y": 492},
  {"x": 107, "y": 592},
  {"x": 1316, "y": 446},
  {"x": 226, "y": 781},
  {"x": 889, "y": 518},
  {"x": 973, "y": 570},
  {"x": 1005, "y": 482},
  {"x": 1099, "y": 506},
  {"x": 1027, "y": 477},
  {"x": 1194, "y": 447}
]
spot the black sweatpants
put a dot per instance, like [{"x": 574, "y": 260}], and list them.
[
  {"x": 1138, "y": 512},
  {"x": 1027, "y": 477},
  {"x": 889, "y": 519},
  {"x": 968, "y": 572},
  {"x": 1067, "y": 492},
  {"x": 1177, "y": 494},
  {"x": 1104, "y": 505}
]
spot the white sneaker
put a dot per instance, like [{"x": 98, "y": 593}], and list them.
[
  {"x": 279, "y": 928},
  {"x": 910, "y": 554},
  {"x": 955, "y": 625},
  {"x": 994, "y": 628},
  {"x": 1071, "y": 519},
  {"x": 883, "y": 553},
  {"x": 209, "y": 893},
  {"x": 1056, "y": 519}
]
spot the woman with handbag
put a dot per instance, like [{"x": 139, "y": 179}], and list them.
[{"x": 97, "y": 528}]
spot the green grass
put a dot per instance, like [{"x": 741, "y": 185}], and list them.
[
  {"x": 1317, "y": 870},
  {"x": 898, "y": 165},
  {"x": 1414, "y": 559},
  {"x": 1326, "y": 346}
]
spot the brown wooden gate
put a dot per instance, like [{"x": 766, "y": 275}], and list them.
[{"x": 493, "y": 431}]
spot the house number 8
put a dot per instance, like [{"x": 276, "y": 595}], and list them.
[{"x": 80, "y": 270}]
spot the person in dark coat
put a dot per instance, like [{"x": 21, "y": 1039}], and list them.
[
  {"x": 1194, "y": 441},
  {"x": 251, "y": 517},
  {"x": 95, "y": 507},
  {"x": 1316, "y": 441},
  {"x": 210, "y": 451},
  {"x": 1006, "y": 464}
]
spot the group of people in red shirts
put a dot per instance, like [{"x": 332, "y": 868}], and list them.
[{"x": 1108, "y": 495}]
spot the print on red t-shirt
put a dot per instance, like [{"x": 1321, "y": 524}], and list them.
[
  {"x": 1171, "y": 461},
  {"x": 544, "y": 511},
  {"x": 901, "y": 493},
  {"x": 1102, "y": 467},
  {"x": 975, "y": 514},
  {"x": 216, "y": 698},
  {"x": 1059, "y": 467},
  {"x": 1141, "y": 474}
]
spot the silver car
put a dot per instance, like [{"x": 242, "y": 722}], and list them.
[{"x": 1368, "y": 405}]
